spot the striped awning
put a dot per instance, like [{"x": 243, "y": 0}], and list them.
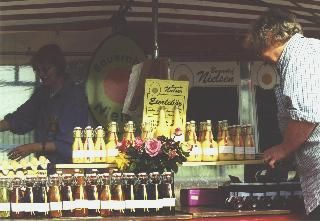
[{"x": 175, "y": 16}]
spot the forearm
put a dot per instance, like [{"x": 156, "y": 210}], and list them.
[
  {"x": 296, "y": 133},
  {"x": 4, "y": 125}
]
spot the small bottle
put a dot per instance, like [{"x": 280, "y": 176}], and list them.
[
  {"x": 250, "y": 147},
  {"x": 117, "y": 194},
  {"x": 89, "y": 145},
  {"x": 129, "y": 192},
  {"x": 100, "y": 146},
  {"x": 80, "y": 196},
  {"x": 167, "y": 194},
  {"x": 67, "y": 195},
  {"x": 93, "y": 194},
  {"x": 209, "y": 146},
  {"x": 202, "y": 129},
  {"x": 129, "y": 132},
  {"x": 194, "y": 146},
  {"x": 112, "y": 142},
  {"x": 154, "y": 194},
  {"x": 54, "y": 196},
  {"x": 41, "y": 197},
  {"x": 226, "y": 147},
  {"x": 176, "y": 130},
  {"x": 219, "y": 134},
  {"x": 17, "y": 199},
  {"x": 147, "y": 132},
  {"x": 162, "y": 128},
  {"x": 238, "y": 145},
  {"x": 142, "y": 195},
  {"x": 29, "y": 197},
  {"x": 4, "y": 197},
  {"x": 77, "y": 146},
  {"x": 105, "y": 196}
]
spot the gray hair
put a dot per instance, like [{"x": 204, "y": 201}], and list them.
[{"x": 275, "y": 26}]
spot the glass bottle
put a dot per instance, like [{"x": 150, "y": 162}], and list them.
[
  {"x": 202, "y": 129},
  {"x": 167, "y": 194},
  {"x": 129, "y": 132},
  {"x": 112, "y": 142},
  {"x": 238, "y": 145},
  {"x": 154, "y": 200},
  {"x": 54, "y": 196},
  {"x": 41, "y": 197},
  {"x": 117, "y": 195},
  {"x": 209, "y": 146},
  {"x": 142, "y": 195},
  {"x": 77, "y": 146},
  {"x": 162, "y": 128},
  {"x": 194, "y": 146},
  {"x": 4, "y": 197},
  {"x": 80, "y": 196},
  {"x": 67, "y": 195},
  {"x": 89, "y": 145},
  {"x": 130, "y": 193},
  {"x": 176, "y": 130},
  {"x": 29, "y": 197},
  {"x": 93, "y": 194},
  {"x": 250, "y": 147},
  {"x": 105, "y": 196},
  {"x": 100, "y": 146},
  {"x": 147, "y": 133},
  {"x": 219, "y": 133},
  {"x": 17, "y": 199},
  {"x": 226, "y": 147}
]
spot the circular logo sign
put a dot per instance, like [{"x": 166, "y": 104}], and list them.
[{"x": 108, "y": 78}]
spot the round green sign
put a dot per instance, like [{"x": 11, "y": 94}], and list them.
[{"x": 108, "y": 78}]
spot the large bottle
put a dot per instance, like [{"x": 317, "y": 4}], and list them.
[
  {"x": 89, "y": 145},
  {"x": 250, "y": 147},
  {"x": 100, "y": 146},
  {"x": 77, "y": 146},
  {"x": 129, "y": 132},
  {"x": 162, "y": 128},
  {"x": 147, "y": 132},
  {"x": 238, "y": 144},
  {"x": 226, "y": 146},
  {"x": 194, "y": 145},
  {"x": 176, "y": 130},
  {"x": 209, "y": 146},
  {"x": 112, "y": 141}
]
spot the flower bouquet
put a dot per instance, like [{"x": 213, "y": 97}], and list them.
[{"x": 161, "y": 154}]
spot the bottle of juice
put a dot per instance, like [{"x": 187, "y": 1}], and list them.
[
  {"x": 77, "y": 146},
  {"x": 112, "y": 141},
  {"x": 209, "y": 146},
  {"x": 194, "y": 145},
  {"x": 238, "y": 144},
  {"x": 100, "y": 146},
  {"x": 226, "y": 146},
  {"x": 250, "y": 147},
  {"x": 89, "y": 145}
]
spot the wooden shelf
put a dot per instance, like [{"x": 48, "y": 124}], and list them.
[
  {"x": 85, "y": 166},
  {"x": 220, "y": 163}
]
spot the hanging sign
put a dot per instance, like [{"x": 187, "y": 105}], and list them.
[
  {"x": 108, "y": 78},
  {"x": 165, "y": 93},
  {"x": 207, "y": 74}
]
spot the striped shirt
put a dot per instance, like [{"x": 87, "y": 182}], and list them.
[{"x": 298, "y": 98}]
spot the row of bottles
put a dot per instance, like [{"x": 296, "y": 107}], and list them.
[
  {"x": 79, "y": 195},
  {"x": 240, "y": 146}
]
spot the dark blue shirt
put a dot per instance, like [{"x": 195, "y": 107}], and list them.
[{"x": 53, "y": 117}]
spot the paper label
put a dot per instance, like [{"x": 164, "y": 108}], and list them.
[
  {"x": 196, "y": 150},
  {"x": 68, "y": 205},
  {"x": 272, "y": 194},
  {"x": 101, "y": 153},
  {"x": 210, "y": 151},
  {"x": 250, "y": 150},
  {"x": 93, "y": 204},
  {"x": 55, "y": 206},
  {"x": 78, "y": 153},
  {"x": 81, "y": 204},
  {"x": 40, "y": 207},
  {"x": 226, "y": 149},
  {"x": 169, "y": 202},
  {"x": 285, "y": 193},
  {"x": 113, "y": 204},
  {"x": 4, "y": 207},
  {"x": 19, "y": 207},
  {"x": 154, "y": 204},
  {"x": 113, "y": 152},
  {"x": 258, "y": 194},
  {"x": 243, "y": 194},
  {"x": 239, "y": 150}
]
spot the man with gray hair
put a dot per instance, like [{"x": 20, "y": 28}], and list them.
[{"x": 277, "y": 37}]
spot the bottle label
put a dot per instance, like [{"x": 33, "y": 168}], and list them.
[
  {"x": 40, "y": 207},
  {"x": 250, "y": 150},
  {"x": 272, "y": 194},
  {"x": 113, "y": 152},
  {"x": 169, "y": 202},
  {"x": 239, "y": 150},
  {"x": 154, "y": 204},
  {"x": 131, "y": 204},
  {"x": 93, "y": 204},
  {"x": 258, "y": 194},
  {"x": 4, "y": 207},
  {"x": 68, "y": 205},
  {"x": 226, "y": 149},
  {"x": 80, "y": 204},
  {"x": 101, "y": 153},
  {"x": 55, "y": 206},
  {"x": 285, "y": 193},
  {"x": 210, "y": 151},
  {"x": 19, "y": 207},
  {"x": 113, "y": 204},
  {"x": 90, "y": 153},
  {"x": 196, "y": 150},
  {"x": 243, "y": 194},
  {"x": 78, "y": 153}
]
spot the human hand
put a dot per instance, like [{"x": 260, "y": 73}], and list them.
[
  {"x": 274, "y": 154},
  {"x": 20, "y": 152}
]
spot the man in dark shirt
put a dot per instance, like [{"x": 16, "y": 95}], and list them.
[{"x": 54, "y": 109}]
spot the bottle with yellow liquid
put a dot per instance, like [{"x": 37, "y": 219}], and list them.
[
  {"x": 209, "y": 146},
  {"x": 219, "y": 134},
  {"x": 146, "y": 129},
  {"x": 201, "y": 131},
  {"x": 89, "y": 145},
  {"x": 195, "y": 154},
  {"x": 162, "y": 128},
  {"x": 226, "y": 146},
  {"x": 78, "y": 155},
  {"x": 176, "y": 130},
  {"x": 129, "y": 132},
  {"x": 249, "y": 144},
  {"x": 112, "y": 141},
  {"x": 100, "y": 146},
  {"x": 238, "y": 144}
]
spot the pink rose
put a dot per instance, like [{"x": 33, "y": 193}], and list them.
[
  {"x": 138, "y": 143},
  {"x": 153, "y": 147}
]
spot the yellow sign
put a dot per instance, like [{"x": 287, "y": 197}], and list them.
[{"x": 165, "y": 93}]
